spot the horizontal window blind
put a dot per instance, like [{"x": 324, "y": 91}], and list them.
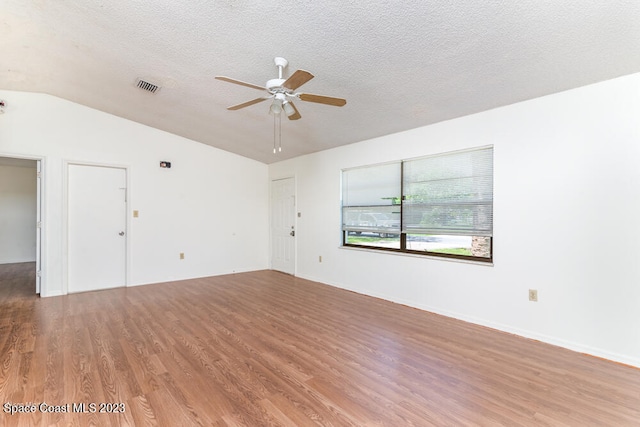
[
  {"x": 371, "y": 199},
  {"x": 449, "y": 194}
]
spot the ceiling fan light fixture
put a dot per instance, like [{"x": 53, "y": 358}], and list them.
[
  {"x": 288, "y": 108},
  {"x": 276, "y": 107},
  {"x": 279, "y": 99}
]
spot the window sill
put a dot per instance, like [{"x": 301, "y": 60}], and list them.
[{"x": 416, "y": 255}]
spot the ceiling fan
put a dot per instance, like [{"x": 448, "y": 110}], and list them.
[{"x": 283, "y": 92}]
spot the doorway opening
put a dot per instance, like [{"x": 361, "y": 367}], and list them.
[{"x": 20, "y": 223}]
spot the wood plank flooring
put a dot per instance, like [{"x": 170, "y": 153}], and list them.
[{"x": 268, "y": 349}]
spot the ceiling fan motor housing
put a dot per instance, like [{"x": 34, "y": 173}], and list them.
[{"x": 274, "y": 85}]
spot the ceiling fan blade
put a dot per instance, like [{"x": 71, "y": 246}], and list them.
[
  {"x": 328, "y": 100},
  {"x": 297, "y": 79},
  {"x": 246, "y": 104},
  {"x": 296, "y": 115},
  {"x": 238, "y": 82}
]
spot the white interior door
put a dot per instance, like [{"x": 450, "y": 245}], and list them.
[
  {"x": 38, "y": 225},
  {"x": 97, "y": 207},
  {"x": 283, "y": 213}
]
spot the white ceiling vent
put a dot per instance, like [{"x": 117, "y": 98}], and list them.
[{"x": 145, "y": 85}]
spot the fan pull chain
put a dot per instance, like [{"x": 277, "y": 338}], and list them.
[{"x": 277, "y": 133}]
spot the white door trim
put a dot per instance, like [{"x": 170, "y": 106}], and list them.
[
  {"x": 65, "y": 216},
  {"x": 39, "y": 181}
]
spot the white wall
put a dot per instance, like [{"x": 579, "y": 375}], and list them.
[
  {"x": 211, "y": 205},
  {"x": 17, "y": 214},
  {"x": 567, "y": 201}
]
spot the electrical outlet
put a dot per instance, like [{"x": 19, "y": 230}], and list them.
[
  {"x": 181, "y": 255},
  {"x": 136, "y": 214},
  {"x": 533, "y": 295}
]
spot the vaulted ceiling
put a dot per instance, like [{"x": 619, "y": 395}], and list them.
[{"x": 399, "y": 64}]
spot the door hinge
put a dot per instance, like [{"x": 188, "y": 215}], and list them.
[
  {"x": 39, "y": 224},
  {"x": 38, "y": 273},
  {"x": 38, "y": 174}
]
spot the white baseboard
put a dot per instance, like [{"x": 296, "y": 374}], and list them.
[{"x": 51, "y": 294}]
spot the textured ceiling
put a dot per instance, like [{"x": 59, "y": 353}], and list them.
[{"x": 399, "y": 64}]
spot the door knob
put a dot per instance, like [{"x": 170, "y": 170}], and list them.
[
  {"x": 293, "y": 233},
  {"x": 121, "y": 233}
]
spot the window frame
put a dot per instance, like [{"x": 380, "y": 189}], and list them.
[{"x": 403, "y": 234}]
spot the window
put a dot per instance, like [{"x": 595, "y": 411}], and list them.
[
  {"x": 439, "y": 205},
  {"x": 371, "y": 205}
]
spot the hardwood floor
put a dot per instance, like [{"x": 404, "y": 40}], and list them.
[{"x": 265, "y": 348}]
